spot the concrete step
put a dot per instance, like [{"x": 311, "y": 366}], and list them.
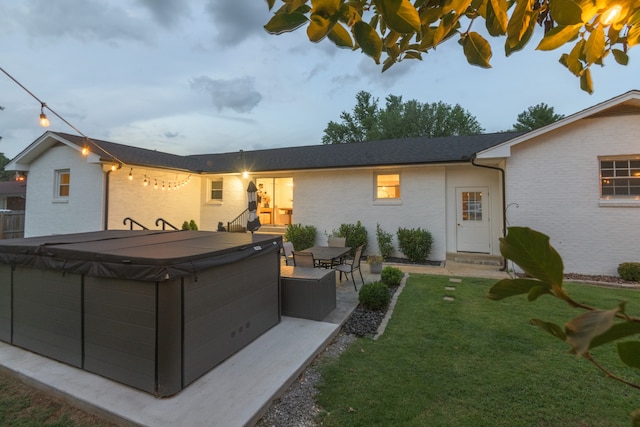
[{"x": 475, "y": 258}]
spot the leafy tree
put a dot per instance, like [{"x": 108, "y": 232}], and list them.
[
  {"x": 543, "y": 267},
  {"x": 535, "y": 117},
  {"x": 401, "y": 29},
  {"x": 399, "y": 119},
  {"x": 5, "y": 175}
]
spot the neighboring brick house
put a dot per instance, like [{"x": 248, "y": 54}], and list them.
[{"x": 564, "y": 179}]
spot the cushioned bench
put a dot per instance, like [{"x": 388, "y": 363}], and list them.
[{"x": 309, "y": 293}]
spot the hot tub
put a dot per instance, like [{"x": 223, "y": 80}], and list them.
[{"x": 151, "y": 309}]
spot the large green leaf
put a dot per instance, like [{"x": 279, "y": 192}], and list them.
[
  {"x": 594, "y": 46},
  {"x": 531, "y": 250},
  {"x": 620, "y": 57},
  {"x": 497, "y": 19},
  {"x": 476, "y": 49},
  {"x": 340, "y": 36},
  {"x": 629, "y": 352},
  {"x": 285, "y": 22},
  {"x": 399, "y": 15},
  {"x": 509, "y": 287},
  {"x": 633, "y": 36},
  {"x": 519, "y": 22},
  {"x": 566, "y": 12},
  {"x": 552, "y": 328},
  {"x": 586, "y": 83},
  {"x": 616, "y": 332},
  {"x": 582, "y": 329},
  {"x": 558, "y": 36},
  {"x": 318, "y": 28},
  {"x": 368, "y": 39}
]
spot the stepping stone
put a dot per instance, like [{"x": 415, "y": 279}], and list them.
[
  {"x": 448, "y": 298},
  {"x": 449, "y": 288},
  {"x": 455, "y": 280}
]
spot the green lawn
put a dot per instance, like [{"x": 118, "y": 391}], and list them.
[{"x": 477, "y": 362}]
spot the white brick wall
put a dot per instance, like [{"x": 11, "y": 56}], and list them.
[
  {"x": 554, "y": 180},
  {"x": 331, "y": 198},
  {"x": 146, "y": 204},
  {"x": 83, "y": 210}
]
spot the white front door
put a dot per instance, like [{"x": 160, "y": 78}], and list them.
[{"x": 472, "y": 213}]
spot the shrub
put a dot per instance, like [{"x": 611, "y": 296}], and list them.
[
  {"x": 374, "y": 296},
  {"x": 391, "y": 276},
  {"x": 302, "y": 236},
  {"x": 189, "y": 225},
  {"x": 384, "y": 242},
  {"x": 415, "y": 243},
  {"x": 630, "y": 271},
  {"x": 355, "y": 234}
]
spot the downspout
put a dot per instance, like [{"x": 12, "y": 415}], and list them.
[
  {"x": 504, "y": 199},
  {"x": 106, "y": 200}
]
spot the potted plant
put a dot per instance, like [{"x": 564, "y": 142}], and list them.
[{"x": 375, "y": 263}]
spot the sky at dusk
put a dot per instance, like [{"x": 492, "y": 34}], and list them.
[{"x": 203, "y": 76}]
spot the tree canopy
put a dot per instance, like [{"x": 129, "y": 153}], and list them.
[
  {"x": 5, "y": 175},
  {"x": 368, "y": 121},
  {"x": 535, "y": 117},
  {"x": 394, "y": 30}
]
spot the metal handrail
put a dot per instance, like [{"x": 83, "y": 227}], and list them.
[
  {"x": 239, "y": 223},
  {"x": 165, "y": 223},
  {"x": 133, "y": 221}
]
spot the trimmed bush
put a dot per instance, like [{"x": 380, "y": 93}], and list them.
[
  {"x": 415, "y": 243},
  {"x": 302, "y": 236},
  {"x": 189, "y": 225},
  {"x": 391, "y": 276},
  {"x": 355, "y": 234},
  {"x": 374, "y": 296},
  {"x": 384, "y": 242},
  {"x": 630, "y": 271}
]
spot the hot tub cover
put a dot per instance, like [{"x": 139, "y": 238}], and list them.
[{"x": 136, "y": 254}]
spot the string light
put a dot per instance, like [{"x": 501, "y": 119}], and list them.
[
  {"x": 85, "y": 150},
  {"x": 44, "y": 122}
]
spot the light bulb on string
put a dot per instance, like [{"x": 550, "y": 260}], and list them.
[
  {"x": 145, "y": 183},
  {"x": 44, "y": 122},
  {"x": 155, "y": 185},
  {"x": 131, "y": 175}
]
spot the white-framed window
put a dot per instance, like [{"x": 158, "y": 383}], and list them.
[
  {"x": 215, "y": 190},
  {"x": 62, "y": 184},
  {"x": 387, "y": 186},
  {"x": 620, "y": 179}
]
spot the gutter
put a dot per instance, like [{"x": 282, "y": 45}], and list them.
[{"x": 504, "y": 200}]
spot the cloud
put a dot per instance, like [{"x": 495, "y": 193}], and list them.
[
  {"x": 237, "y": 20},
  {"x": 238, "y": 94},
  {"x": 85, "y": 20},
  {"x": 166, "y": 12}
]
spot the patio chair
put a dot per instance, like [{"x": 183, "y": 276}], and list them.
[
  {"x": 304, "y": 259},
  {"x": 287, "y": 248},
  {"x": 334, "y": 242},
  {"x": 353, "y": 266}
]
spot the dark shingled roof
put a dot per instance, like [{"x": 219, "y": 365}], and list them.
[{"x": 405, "y": 151}]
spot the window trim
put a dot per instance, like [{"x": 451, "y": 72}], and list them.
[
  {"x": 389, "y": 200},
  {"x": 210, "y": 190},
  {"x": 58, "y": 185},
  {"x": 616, "y": 200}
]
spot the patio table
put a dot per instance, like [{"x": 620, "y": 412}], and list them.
[{"x": 328, "y": 254}]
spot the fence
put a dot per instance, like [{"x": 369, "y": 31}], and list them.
[{"x": 11, "y": 225}]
